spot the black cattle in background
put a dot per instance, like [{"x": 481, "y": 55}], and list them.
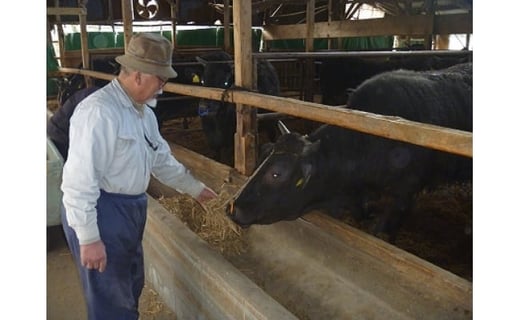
[
  {"x": 340, "y": 76},
  {"x": 58, "y": 124},
  {"x": 169, "y": 105},
  {"x": 72, "y": 83},
  {"x": 336, "y": 169},
  {"x": 219, "y": 118},
  {"x": 175, "y": 106}
]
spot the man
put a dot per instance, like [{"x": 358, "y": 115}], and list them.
[{"x": 114, "y": 146}]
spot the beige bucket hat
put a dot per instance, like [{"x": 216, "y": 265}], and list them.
[{"x": 149, "y": 53}]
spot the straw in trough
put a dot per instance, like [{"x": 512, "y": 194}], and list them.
[{"x": 209, "y": 221}]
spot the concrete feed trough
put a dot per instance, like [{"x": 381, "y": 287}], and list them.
[{"x": 310, "y": 268}]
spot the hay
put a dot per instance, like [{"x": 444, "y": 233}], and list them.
[
  {"x": 154, "y": 305},
  {"x": 210, "y": 221}
]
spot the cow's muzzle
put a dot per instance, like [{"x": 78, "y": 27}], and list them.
[{"x": 208, "y": 108}]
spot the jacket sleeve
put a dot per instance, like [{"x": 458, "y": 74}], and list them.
[
  {"x": 174, "y": 174},
  {"x": 168, "y": 170}
]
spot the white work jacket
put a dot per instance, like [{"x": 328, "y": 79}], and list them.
[{"x": 115, "y": 147}]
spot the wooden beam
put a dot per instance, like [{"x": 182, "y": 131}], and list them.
[
  {"x": 89, "y": 73},
  {"x": 66, "y": 11},
  {"x": 309, "y": 39},
  {"x": 227, "y": 28},
  {"x": 308, "y": 80},
  {"x": 246, "y": 131},
  {"x": 85, "y": 57},
  {"x": 391, "y": 127},
  {"x": 173, "y": 14},
  {"x": 392, "y": 25},
  {"x": 429, "y": 7},
  {"x": 61, "y": 34},
  {"x": 453, "y": 24},
  {"x": 126, "y": 9},
  {"x": 266, "y": 4}
]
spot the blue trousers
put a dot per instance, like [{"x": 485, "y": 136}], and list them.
[{"x": 114, "y": 293}]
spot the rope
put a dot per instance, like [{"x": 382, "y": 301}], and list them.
[{"x": 226, "y": 92}]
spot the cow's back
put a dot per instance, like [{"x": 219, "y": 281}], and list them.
[
  {"x": 267, "y": 79},
  {"x": 363, "y": 160},
  {"x": 441, "y": 97}
]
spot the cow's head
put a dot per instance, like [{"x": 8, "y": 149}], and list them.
[
  {"x": 216, "y": 74},
  {"x": 75, "y": 82},
  {"x": 217, "y": 117},
  {"x": 277, "y": 190}
]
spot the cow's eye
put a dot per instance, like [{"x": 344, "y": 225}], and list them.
[{"x": 277, "y": 174}]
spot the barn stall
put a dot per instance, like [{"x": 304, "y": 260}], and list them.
[{"x": 314, "y": 266}]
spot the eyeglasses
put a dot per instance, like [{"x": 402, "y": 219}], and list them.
[{"x": 162, "y": 81}]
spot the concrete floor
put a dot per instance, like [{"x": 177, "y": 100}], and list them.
[{"x": 64, "y": 295}]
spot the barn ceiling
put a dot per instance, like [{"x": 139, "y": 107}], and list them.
[
  {"x": 265, "y": 12},
  {"x": 294, "y": 12}
]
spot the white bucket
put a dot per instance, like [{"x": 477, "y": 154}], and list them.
[{"x": 54, "y": 194}]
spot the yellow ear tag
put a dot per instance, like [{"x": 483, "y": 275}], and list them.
[
  {"x": 299, "y": 183},
  {"x": 195, "y": 79}
]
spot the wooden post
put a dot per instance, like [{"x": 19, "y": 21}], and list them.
[
  {"x": 126, "y": 9},
  {"x": 85, "y": 57},
  {"x": 442, "y": 42},
  {"x": 429, "y": 38},
  {"x": 308, "y": 94},
  {"x": 227, "y": 38},
  {"x": 61, "y": 36},
  {"x": 246, "y": 134},
  {"x": 329, "y": 19},
  {"x": 173, "y": 13}
]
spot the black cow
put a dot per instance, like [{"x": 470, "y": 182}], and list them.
[
  {"x": 175, "y": 106},
  {"x": 67, "y": 86},
  {"x": 340, "y": 76},
  {"x": 335, "y": 168},
  {"x": 169, "y": 105},
  {"x": 219, "y": 118},
  {"x": 73, "y": 91},
  {"x": 58, "y": 124}
]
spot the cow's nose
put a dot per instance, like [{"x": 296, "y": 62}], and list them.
[{"x": 203, "y": 108}]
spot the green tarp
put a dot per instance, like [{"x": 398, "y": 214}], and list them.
[
  {"x": 206, "y": 37},
  {"x": 214, "y": 37}
]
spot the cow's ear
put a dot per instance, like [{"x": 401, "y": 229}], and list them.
[
  {"x": 306, "y": 175},
  {"x": 306, "y": 166},
  {"x": 201, "y": 61},
  {"x": 311, "y": 148},
  {"x": 195, "y": 77}
]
